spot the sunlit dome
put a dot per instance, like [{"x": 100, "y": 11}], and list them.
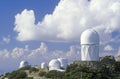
[
  {"x": 23, "y": 64},
  {"x": 54, "y": 64},
  {"x": 63, "y": 62},
  {"x": 89, "y": 36},
  {"x": 89, "y": 45},
  {"x": 44, "y": 65}
]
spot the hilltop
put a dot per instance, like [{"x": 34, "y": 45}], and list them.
[{"x": 106, "y": 68}]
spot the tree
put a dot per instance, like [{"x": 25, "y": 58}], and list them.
[
  {"x": 42, "y": 73},
  {"x": 17, "y": 75}
]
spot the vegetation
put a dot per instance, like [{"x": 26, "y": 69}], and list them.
[
  {"x": 55, "y": 74},
  {"x": 21, "y": 73},
  {"x": 31, "y": 69},
  {"x": 106, "y": 68},
  {"x": 17, "y": 75},
  {"x": 42, "y": 73}
]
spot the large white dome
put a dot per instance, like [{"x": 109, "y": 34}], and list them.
[
  {"x": 89, "y": 36},
  {"x": 63, "y": 62},
  {"x": 23, "y": 64},
  {"x": 54, "y": 64}
]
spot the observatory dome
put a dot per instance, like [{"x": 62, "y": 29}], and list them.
[
  {"x": 89, "y": 36},
  {"x": 63, "y": 62},
  {"x": 43, "y": 65},
  {"x": 23, "y": 64},
  {"x": 54, "y": 64}
]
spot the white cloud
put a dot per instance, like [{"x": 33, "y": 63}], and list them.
[
  {"x": 43, "y": 48},
  {"x": 6, "y": 40},
  {"x": 17, "y": 52},
  {"x": 39, "y": 51},
  {"x": 74, "y": 53},
  {"x": 108, "y": 48},
  {"x": 69, "y": 19},
  {"x": 4, "y": 54},
  {"x": 43, "y": 54},
  {"x": 20, "y": 52},
  {"x": 34, "y": 56},
  {"x": 25, "y": 25}
]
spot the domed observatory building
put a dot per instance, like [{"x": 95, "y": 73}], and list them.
[
  {"x": 23, "y": 64},
  {"x": 89, "y": 45},
  {"x": 43, "y": 65},
  {"x": 63, "y": 62},
  {"x": 54, "y": 64}
]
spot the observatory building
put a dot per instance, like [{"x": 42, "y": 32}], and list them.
[
  {"x": 54, "y": 64},
  {"x": 63, "y": 62},
  {"x": 23, "y": 64},
  {"x": 89, "y": 45},
  {"x": 44, "y": 65}
]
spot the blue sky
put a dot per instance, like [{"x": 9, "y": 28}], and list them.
[
  {"x": 41, "y": 30},
  {"x": 10, "y": 8}
]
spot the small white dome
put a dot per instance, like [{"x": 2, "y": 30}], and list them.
[
  {"x": 23, "y": 64},
  {"x": 54, "y": 64},
  {"x": 43, "y": 65},
  {"x": 89, "y": 36},
  {"x": 63, "y": 62}
]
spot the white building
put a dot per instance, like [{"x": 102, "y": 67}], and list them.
[
  {"x": 44, "y": 65},
  {"x": 63, "y": 62},
  {"x": 23, "y": 64},
  {"x": 89, "y": 45},
  {"x": 54, "y": 64}
]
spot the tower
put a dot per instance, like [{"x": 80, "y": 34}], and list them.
[{"x": 89, "y": 45}]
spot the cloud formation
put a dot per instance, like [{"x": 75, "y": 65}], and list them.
[
  {"x": 6, "y": 40},
  {"x": 34, "y": 56},
  {"x": 108, "y": 48},
  {"x": 69, "y": 19}
]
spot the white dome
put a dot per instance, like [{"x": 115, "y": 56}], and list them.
[
  {"x": 23, "y": 64},
  {"x": 89, "y": 36},
  {"x": 43, "y": 65},
  {"x": 63, "y": 62},
  {"x": 54, "y": 64}
]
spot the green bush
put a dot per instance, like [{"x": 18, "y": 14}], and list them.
[
  {"x": 26, "y": 68},
  {"x": 29, "y": 78},
  {"x": 42, "y": 73},
  {"x": 55, "y": 74},
  {"x": 17, "y": 75},
  {"x": 107, "y": 68},
  {"x": 33, "y": 69}
]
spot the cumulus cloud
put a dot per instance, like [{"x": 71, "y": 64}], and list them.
[
  {"x": 6, "y": 40},
  {"x": 34, "y": 56},
  {"x": 69, "y": 19},
  {"x": 20, "y": 52},
  {"x": 25, "y": 25},
  {"x": 4, "y": 54},
  {"x": 108, "y": 48}
]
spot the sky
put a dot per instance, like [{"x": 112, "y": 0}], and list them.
[{"x": 40, "y": 30}]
